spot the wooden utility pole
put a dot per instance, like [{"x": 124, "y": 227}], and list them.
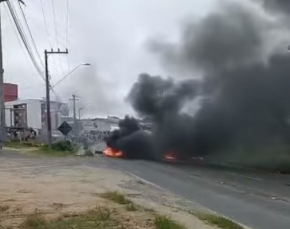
[{"x": 46, "y": 53}]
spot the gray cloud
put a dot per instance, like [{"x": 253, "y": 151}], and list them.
[
  {"x": 108, "y": 34},
  {"x": 234, "y": 34}
]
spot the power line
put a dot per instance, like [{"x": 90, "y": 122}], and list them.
[
  {"x": 48, "y": 36},
  {"x": 67, "y": 22},
  {"x": 53, "y": 91},
  {"x": 58, "y": 66},
  {"x": 33, "y": 42},
  {"x": 45, "y": 23},
  {"x": 23, "y": 38},
  {"x": 54, "y": 18},
  {"x": 26, "y": 44},
  {"x": 15, "y": 30}
]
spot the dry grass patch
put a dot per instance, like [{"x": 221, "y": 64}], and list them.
[
  {"x": 10, "y": 200},
  {"x": 131, "y": 207},
  {"x": 116, "y": 197},
  {"x": 98, "y": 218},
  {"x": 4, "y": 208},
  {"x": 120, "y": 198},
  {"x": 163, "y": 222}
]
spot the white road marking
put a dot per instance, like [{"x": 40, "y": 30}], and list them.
[{"x": 145, "y": 181}]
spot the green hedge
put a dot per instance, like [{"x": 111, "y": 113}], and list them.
[{"x": 63, "y": 146}]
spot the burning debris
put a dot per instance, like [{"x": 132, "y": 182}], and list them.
[
  {"x": 240, "y": 53},
  {"x": 110, "y": 152},
  {"x": 130, "y": 140}
]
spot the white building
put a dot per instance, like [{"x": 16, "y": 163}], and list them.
[
  {"x": 100, "y": 124},
  {"x": 31, "y": 113}
]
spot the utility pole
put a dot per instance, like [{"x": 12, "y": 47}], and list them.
[
  {"x": 46, "y": 53},
  {"x": 2, "y": 107}
]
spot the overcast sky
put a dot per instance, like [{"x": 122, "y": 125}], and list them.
[{"x": 111, "y": 35}]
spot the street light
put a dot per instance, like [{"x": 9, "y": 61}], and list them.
[{"x": 63, "y": 78}]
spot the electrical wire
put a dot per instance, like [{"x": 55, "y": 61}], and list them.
[
  {"x": 57, "y": 37},
  {"x": 67, "y": 22},
  {"x": 47, "y": 33},
  {"x": 33, "y": 42},
  {"x": 16, "y": 32},
  {"x": 54, "y": 19},
  {"x": 24, "y": 40},
  {"x": 26, "y": 44},
  {"x": 45, "y": 23}
]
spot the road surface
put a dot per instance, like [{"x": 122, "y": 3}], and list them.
[{"x": 257, "y": 200}]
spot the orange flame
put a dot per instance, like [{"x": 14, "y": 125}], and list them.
[
  {"x": 170, "y": 156},
  {"x": 110, "y": 152}
]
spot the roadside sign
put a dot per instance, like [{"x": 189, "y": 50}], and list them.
[{"x": 65, "y": 128}]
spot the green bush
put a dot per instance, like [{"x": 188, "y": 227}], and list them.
[{"x": 62, "y": 146}]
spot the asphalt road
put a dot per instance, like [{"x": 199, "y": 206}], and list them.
[{"x": 257, "y": 200}]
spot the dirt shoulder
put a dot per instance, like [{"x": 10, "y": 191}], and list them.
[{"x": 55, "y": 187}]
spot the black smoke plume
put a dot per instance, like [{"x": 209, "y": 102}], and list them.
[
  {"x": 240, "y": 52},
  {"x": 162, "y": 101},
  {"x": 131, "y": 140},
  {"x": 279, "y": 6}
]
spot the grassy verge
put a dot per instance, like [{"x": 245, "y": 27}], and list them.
[
  {"x": 116, "y": 197},
  {"x": 51, "y": 152},
  {"x": 63, "y": 148},
  {"x": 160, "y": 222},
  {"x": 100, "y": 218},
  {"x": 19, "y": 145},
  {"x": 218, "y": 221},
  {"x": 163, "y": 222}
]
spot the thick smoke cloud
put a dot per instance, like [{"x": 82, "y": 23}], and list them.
[
  {"x": 153, "y": 96},
  {"x": 162, "y": 100},
  {"x": 129, "y": 139},
  {"x": 235, "y": 34},
  {"x": 280, "y": 6},
  {"x": 246, "y": 76},
  {"x": 240, "y": 49}
]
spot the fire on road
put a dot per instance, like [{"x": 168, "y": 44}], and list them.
[{"x": 110, "y": 152}]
